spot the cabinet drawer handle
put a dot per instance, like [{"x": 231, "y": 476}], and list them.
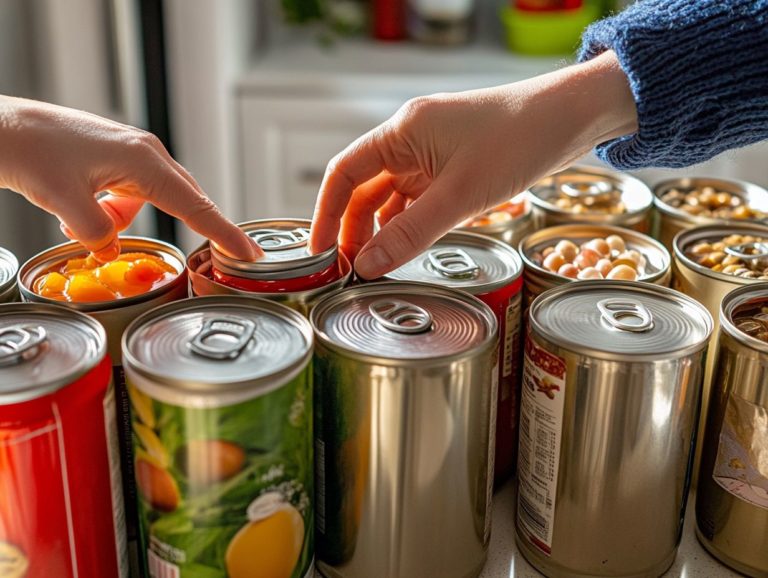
[{"x": 311, "y": 176}]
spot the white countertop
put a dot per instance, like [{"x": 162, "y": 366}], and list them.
[{"x": 504, "y": 560}]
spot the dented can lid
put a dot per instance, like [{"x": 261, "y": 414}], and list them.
[
  {"x": 286, "y": 251},
  {"x": 217, "y": 344},
  {"x": 466, "y": 261},
  {"x": 403, "y": 322},
  {"x": 9, "y": 267},
  {"x": 44, "y": 348},
  {"x": 621, "y": 320}
]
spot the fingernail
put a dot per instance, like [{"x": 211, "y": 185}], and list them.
[
  {"x": 65, "y": 230},
  {"x": 108, "y": 253},
  {"x": 258, "y": 252},
  {"x": 372, "y": 263}
]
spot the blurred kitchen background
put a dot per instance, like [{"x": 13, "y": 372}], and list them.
[{"x": 255, "y": 96}]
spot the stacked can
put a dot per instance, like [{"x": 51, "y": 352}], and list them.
[
  {"x": 492, "y": 272},
  {"x": 9, "y": 267},
  {"x": 115, "y": 316},
  {"x": 405, "y": 396},
  {"x": 287, "y": 273},
  {"x": 61, "y": 512},
  {"x": 732, "y": 493},
  {"x": 592, "y": 196},
  {"x": 509, "y": 222},
  {"x": 609, "y": 407},
  {"x": 222, "y": 391}
]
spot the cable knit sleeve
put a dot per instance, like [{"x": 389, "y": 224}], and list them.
[{"x": 699, "y": 74}]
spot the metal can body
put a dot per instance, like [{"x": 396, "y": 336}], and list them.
[
  {"x": 9, "y": 267},
  {"x": 288, "y": 274},
  {"x": 221, "y": 389},
  {"x": 403, "y": 437},
  {"x": 492, "y": 272},
  {"x": 590, "y": 186},
  {"x": 510, "y": 231},
  {"x": 611, "y": 387},
  {"x": 538, "y": 279},
  {"x": 61, "y": 513},
  {"x": 671, "y": 220},
  {"x": 115, "y": 316},
  {"x": 732, "y": 493},
  {"x": 708, "y": 288}
]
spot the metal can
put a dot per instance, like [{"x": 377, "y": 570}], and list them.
[
  {"x": 510, "y": 222},
  {"x": 491, "y": 271},
  {"x": 221, "y": 389},
  {"x": 9, "y": 267},
  {"x": 609, "y": 407},
  {"x": 538, "y": 279},
  {"x": 672, "y": 220},
  {"x": 115, "y": 317},
  {"x": 287, "y": 274},
  {"x": 61, "y": 511},
  {"x": 732, "y": 494},
  {"x": 594, "y": 196},
  {"x": 709, "y": 288},
  {"x": 405, "y": 396}
]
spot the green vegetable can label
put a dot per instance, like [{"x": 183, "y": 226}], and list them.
[{"x": 226, "y": 492}]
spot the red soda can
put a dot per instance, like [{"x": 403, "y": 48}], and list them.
[
  {"x": 491, "y": 271},
  {"x": 60, "y": 496}
]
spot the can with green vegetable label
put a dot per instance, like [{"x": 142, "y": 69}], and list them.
[{"x": 221, "y": 392}]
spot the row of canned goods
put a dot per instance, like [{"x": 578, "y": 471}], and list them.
[{"x": 419, "y": 387}]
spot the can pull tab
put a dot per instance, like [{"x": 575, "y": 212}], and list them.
[
  {"x": 223, "y": 338},
  {"x": 279, "y": 239},
  {"x": 20, "y": 343},
  {"x": 618, "y": 313},
  {"x": 579, "y": 190},
  {"x": 401, "y": 316},
  {"x": 748, "y": 251},
  {"x": 454, "y": 263}
]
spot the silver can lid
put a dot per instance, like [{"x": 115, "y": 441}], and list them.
[
  {"x": 286, "y": 253},
  {"x": 217, "y": 343},
  {"x": 44, "y": 348},
  {"x": 621, "y": 320},
  {"x": 9, "y": 266},
  {"x": 402, "y": 321},
  {"x": 465, "y": 261}
]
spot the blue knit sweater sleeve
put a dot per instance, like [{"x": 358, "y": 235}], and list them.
[{"x": 698, "y": 70}]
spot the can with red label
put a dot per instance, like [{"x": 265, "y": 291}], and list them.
[
  {"x": 491, "y": 271},
  {"x": 287, "y": 273},
  {"x": 61, "y": 510},
  {"x": 608, "y": 412}
]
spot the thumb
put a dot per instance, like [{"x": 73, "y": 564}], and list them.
[
  {"x": 411, "y": 232},
  {"x": 87, "y": 222}
]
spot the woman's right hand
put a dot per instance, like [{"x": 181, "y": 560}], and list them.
[
  {"x": 445, "y": 158},
  {"x": 60, "y": 158}
]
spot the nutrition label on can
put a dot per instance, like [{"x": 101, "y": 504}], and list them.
[
  {"x": 541, "y": 422},
  {"x": 511, "y": 335}
]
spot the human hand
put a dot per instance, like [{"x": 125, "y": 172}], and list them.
[
  {"x": 444, "y": 158},
  {"x": 59, "y": 159}
]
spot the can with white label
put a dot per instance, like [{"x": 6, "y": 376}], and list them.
[
  {"x": 732, "y": 494},
  {"x": 405, "y": 398},
  {"x": 609, "y": 406},
  {"x": 491, "y": 271}
]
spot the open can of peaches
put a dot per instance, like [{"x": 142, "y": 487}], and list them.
[
  {"x": 690, "y": 202},
  {"x": 287, "y": 273},
  {"x": 221, "y": 390},
  {"x": 148, "y": 273},
  {"x": 559, "y": 255},
  {"x": 508, "y": 222},
  {"x": 591, "y": 195}
]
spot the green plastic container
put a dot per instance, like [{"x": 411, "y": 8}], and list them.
[{"x": 547, "y": 33}]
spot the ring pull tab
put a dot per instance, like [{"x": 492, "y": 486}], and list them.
[
  {"x": 401, "y": 316},
  {"x": 617, "y": 313},
  {"x": 279, "y": 239},
  {"x": 20, "y": 343},
  {"x": 453, "y": 263},
  {"x": 225, "y": 328},
  {"x": 580, "y": 190},
  {"x": 758, "y": 250}
]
